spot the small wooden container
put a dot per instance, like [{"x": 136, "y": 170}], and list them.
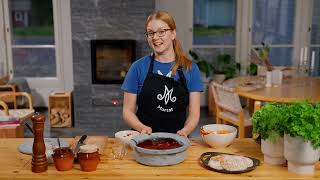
[
  {"x": 60, "y": 109},
  {"x": 63, "y": 158},
  {"x": 88, "y": 157}
]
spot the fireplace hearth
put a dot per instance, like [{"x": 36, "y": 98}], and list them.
[{"x": 111, "y": 60}]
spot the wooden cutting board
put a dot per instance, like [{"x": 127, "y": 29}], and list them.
[{"x": 99, "y": 141}]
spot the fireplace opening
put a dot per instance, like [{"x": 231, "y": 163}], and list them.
[{"x": 111, "y": 60}]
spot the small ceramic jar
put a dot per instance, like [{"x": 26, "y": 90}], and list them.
[
  {"x": 63, "y": 158},
  {"x": 88, "y": 157}
]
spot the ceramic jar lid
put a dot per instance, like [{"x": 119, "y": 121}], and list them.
[{"x": 88, "y": 148}]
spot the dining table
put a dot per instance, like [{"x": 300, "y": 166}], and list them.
[
  {"x": 291, "y": 89},
  {"x": 16, "y": 165}
]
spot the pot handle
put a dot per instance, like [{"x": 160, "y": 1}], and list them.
[{"x": 132, "y": 143}]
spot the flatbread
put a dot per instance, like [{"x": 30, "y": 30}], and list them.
[
  {"x": 214, "y": 162},
  {"x": 230, "y": 162},
  {"x": 236, "y": 163}
]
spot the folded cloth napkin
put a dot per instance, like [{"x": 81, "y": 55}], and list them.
[{"x": 4, "y": 119}]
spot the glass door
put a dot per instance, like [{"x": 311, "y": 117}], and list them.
[
  {"x": 215, "y": 25},
  {"x": 215, "y": 38},
  {"x": 315, "y": 39},
  {"x": 273, "y": 24},
  {"x": 38, "y": 44},
  {"x": 214, "y": 22},
  {"x": 31, "y": 43}
]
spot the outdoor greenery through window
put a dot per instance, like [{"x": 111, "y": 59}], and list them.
[
  {"x": 214, "y": 22},
  {"x": 32, "y": 22},
  {"x": 214, "y": 26},
  {"x": 32, "y": 26}
]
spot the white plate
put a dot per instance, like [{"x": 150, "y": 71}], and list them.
[{"x": 51, "y": 144}]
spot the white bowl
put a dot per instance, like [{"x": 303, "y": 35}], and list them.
[
  {"x": 126, "y": 135},
  {"x": 218, "y": 140}
]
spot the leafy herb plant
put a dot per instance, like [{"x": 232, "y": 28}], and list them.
[
  {"x": 269, "y": 121},
  {"x": 304, "y": 121}
]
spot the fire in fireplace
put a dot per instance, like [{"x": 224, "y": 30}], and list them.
[{"x": 111, "y": 59}]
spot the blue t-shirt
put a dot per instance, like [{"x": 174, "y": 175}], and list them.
[{"x": 138, "y": 71}]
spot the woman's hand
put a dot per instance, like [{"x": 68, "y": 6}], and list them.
[
  {"x": 194, "y": 115},
  {"x": 129, "y": 114},
  {"x": 182, "y": 132},
  {"x": 146, "y": 130}
]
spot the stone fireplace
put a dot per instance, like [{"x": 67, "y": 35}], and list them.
[
  {"x": 98, "y": 100},
  {"x": 111, "y": 60}
]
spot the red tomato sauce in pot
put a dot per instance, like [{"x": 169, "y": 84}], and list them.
[{"x": 159, "y": 144}]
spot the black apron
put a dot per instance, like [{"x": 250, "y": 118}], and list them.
[{"x": 163, "y": 102}]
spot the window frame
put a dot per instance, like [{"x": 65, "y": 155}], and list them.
[
  {"x": 63, "y": 50},
  {"x": 237, "y": 38},
  {"x": 243, "y": 44}
]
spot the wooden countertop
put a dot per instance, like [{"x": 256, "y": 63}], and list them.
[{"x": 17, "y": 165}]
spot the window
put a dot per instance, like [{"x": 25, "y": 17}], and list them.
[
  {"x": 315, "y": 37},
  {"x": 273, "y": 23},
  {"x": 214, "y": 28},
  {"x": 37, "y": 44},
  {"x": 32, "y": 38},
  {"x": 214, "y": 22},
  {"x": 234, "y": 27}
]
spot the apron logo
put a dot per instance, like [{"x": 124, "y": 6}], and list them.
[{"x": 167, "y": 95}]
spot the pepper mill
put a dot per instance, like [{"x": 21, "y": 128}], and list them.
[{"x": 39, "y": 161}]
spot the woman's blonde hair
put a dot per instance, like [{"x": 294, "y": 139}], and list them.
[{"x": 181, "y": 58}]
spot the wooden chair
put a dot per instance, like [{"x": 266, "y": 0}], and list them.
[
  {"x": 21, "y": 114},
  {"x": 228, "y": 108},
  {"x": 4, "y": 79},
  {"x": 5, "y": 88}
]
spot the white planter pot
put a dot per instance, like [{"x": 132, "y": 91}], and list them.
[
  {"x": 273, "y": 152},
  {"x": 219, "y": 78},
  {"x": 300, "y": 154},
  {"x": 204, "y": 78}
]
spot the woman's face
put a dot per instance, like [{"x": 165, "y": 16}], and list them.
[{"x": 160, "y": 36}]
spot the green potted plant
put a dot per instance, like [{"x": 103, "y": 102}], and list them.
[
  {"x": 252, "y": 69},
  {"x": 269, "y": 123},
  {"x": 225, "y": 66},
  {"x": 204, "y": 66},
  {"x": 302, "y": 137},
  {"x": 261, "y": 56}
]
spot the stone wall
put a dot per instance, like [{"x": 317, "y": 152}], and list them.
[{"x": 103, "y": 19}]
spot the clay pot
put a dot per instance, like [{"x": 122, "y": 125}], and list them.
[
  {"x": 63, "y": 158},
  {"x": 88, "y": 158}
]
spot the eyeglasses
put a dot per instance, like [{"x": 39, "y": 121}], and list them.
[{"x": 160, "y": 33}]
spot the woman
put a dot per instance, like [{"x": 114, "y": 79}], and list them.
[{"x": 163, "y": 85}]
